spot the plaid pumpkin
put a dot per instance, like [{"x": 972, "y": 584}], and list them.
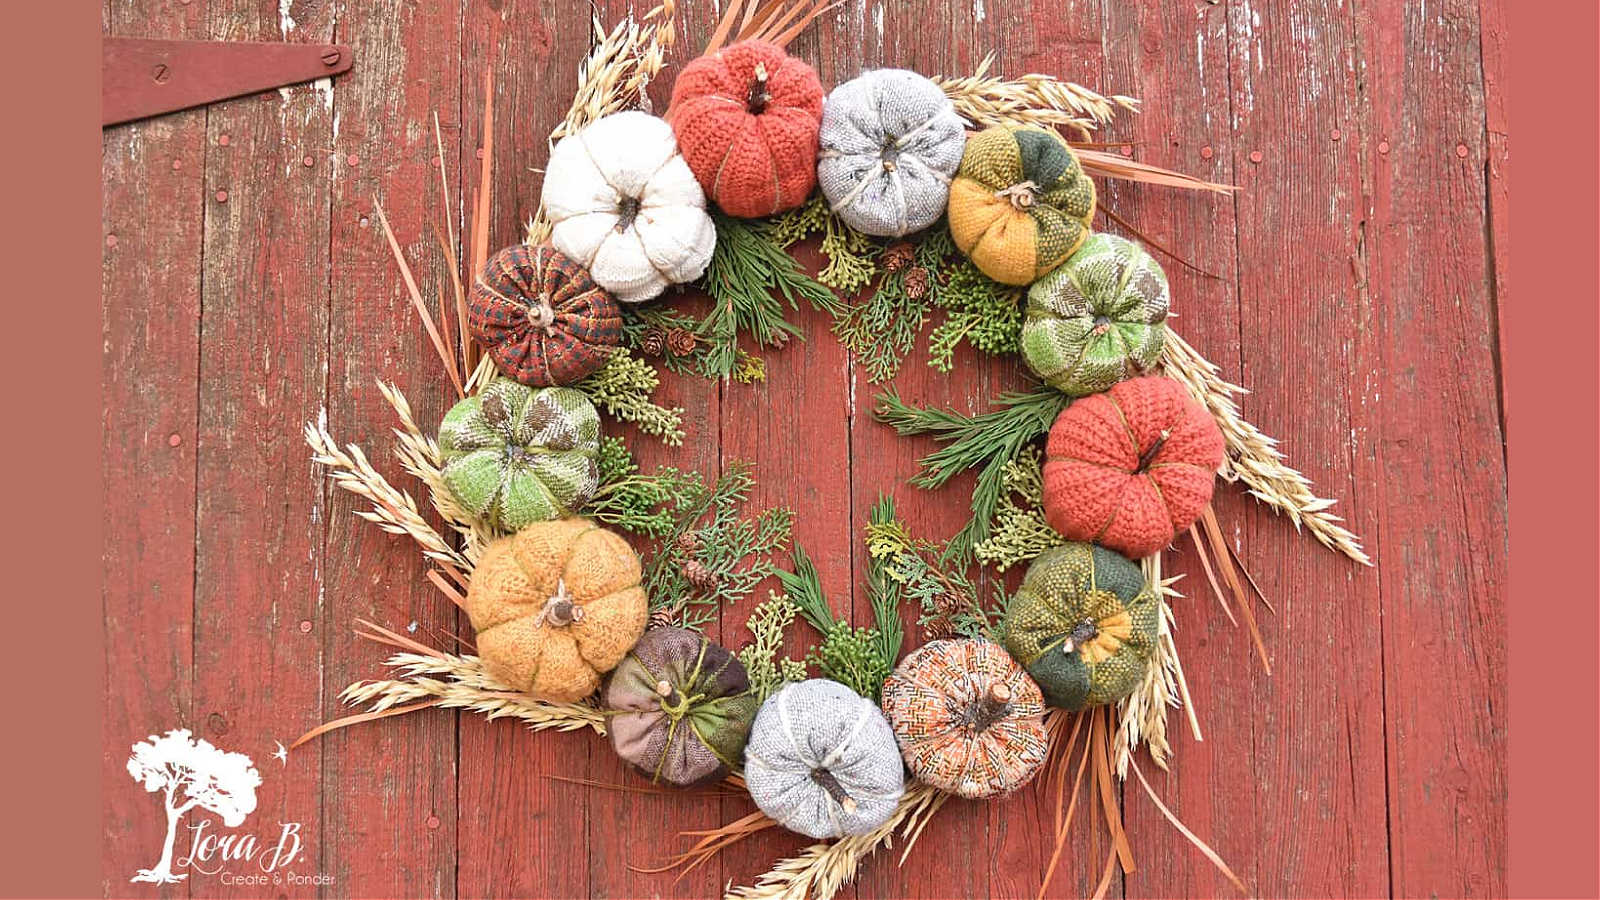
[
  {"x": 1020, "y": 203},
  {"x": 542, "y": 318}
]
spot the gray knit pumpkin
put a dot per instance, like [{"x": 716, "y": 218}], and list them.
[
  {"x": 514, "y": 455},
  {"x": 891, "y": 141},
  {"x": 822, "y": 761}
]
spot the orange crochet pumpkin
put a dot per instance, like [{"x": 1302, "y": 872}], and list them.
[
  {"x": 1131, "y": 468},
  {"x": 747, "y": 118},
  {"x": 556, "y": 605}
]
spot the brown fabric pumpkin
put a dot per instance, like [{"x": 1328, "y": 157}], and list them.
[
  {"x": 968, "y": 719},
  {"x": 556, "y": 605},
  {"x": 541, "y": 317}
]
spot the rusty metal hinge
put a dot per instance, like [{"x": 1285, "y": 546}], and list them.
[{"x": 141, "y": 77}]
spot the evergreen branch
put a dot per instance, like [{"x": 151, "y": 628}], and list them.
[
  {"x": 624, "y": 389},
  {"x": 883, "y": 591}
]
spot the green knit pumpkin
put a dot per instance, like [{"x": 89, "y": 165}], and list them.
[
  {"x": 1084, "y": 625},
  {"x": 1098, "y": 318},
  {"x": 513, "y": 455},
  {"x": 1020, "y": 203}
]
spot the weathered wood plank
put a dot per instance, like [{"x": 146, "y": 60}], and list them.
[
  {"x": 1431, "y": 442},
  {"x": 389, "y": 789},
  {"x": 151, "y": 212}
]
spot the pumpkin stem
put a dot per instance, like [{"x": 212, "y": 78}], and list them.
[
  {"x": 1023, "y": 195},
  {"x": 1102, "y": 324},
  {"x": 1149, "y": 455},
  {"x": 835, "y": 789},
  {"x": 758, "y": 98},
  {"x": 990, "y": 708},
  {"x": 543, "y": 314},
  {"x": 627, "y": 211},
  {"x": 559, "y": 610},
  {"x": 1081, "y": 633}
]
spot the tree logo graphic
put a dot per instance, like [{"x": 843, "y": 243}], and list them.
[{"x": 190, "y": 772}]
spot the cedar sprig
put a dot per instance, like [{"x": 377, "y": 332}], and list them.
[
  {"x": 980, "y": 311},
  {"x": 855, "y": 657},
  {"x": 764, "y": 665},
  {"x": 624, "y": 389},
  {"x": 851, "y": 255},
  {"x": 639, "y": 503},
  {"x": 1019, "y": 531},
  {"x": 710, "y": 528},
  {"x": 919, "y": 570},
  {"x": 880, "y": 330},
  {"x": 1253, "y": 457},
  {"x": 987, "y": 440}
]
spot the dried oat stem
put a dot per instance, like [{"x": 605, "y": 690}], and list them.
[
  {"x": 460, "y": 682},
  {"x": 817, "y": 872},
  {"x": 1253, "y": 458},
  {"x": 419, "y": 455},
  {"x": 1144, "y": 713},
  {"x": 1033, "y": 99}
]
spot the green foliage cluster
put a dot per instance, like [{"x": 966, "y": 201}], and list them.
[
  {"x": 766, "y": 669},
  {"x": 987, "y": 440},
  {"x": 628, "y": 499},
  {"x": 979, "y": 310},
  {"x": 854, "y": 657},
  {"x": 880, "y": 330},
  {"x": 624, "y": 389},
  {"x": 733, "y": 548},
  {"x": 1019, "y": 531},
  {"x": 918, "y": 570},
  {"x": 851, "y": 255}
]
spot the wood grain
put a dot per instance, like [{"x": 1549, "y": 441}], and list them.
[{"x": 1353, "y": 286}]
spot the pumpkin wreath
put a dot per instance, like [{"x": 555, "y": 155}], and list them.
[{"x": 588, "y": 580}]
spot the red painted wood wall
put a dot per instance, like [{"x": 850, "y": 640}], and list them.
[{"x": 247, "y": 291}]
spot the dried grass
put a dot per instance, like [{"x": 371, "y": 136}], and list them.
[
  {"x": 1253, "y": 458},
  {"x": 1143, "y": 715},
  {"x": 986, "y": 100}
]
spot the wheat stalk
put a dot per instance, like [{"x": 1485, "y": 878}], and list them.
[
  {"x": 460, "y": 682},
  {"x": 419, "y": 455},
  {"x": 817, "y": 872},
  {"x": 1144, "y": 712},
  {"x": 1033, "y": 99},
  {"x": 1253, "y": 457}
]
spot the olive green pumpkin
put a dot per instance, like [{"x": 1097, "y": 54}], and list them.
[
  {"x": 514, "y": 455},
  {"x": 1099, "y": 318},
  {"x": 1020, "y": 203},
  {"x": 1084, "y": 625}
]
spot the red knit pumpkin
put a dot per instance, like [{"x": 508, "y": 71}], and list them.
[
  {"x": 747, "y": 119},
  {"x": 541, "y": 317},
  {"x": 1131, "y": 468}
]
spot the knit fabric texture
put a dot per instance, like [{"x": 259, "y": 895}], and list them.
[
  {"x": 822, "y": 761},
  {"x": 513, "y": 455},
  {"x": 968, "y": 719},
  {"x": 1021, "y": 202},
  {"x": 891, "y": 141},
  {"x": 622, "y": 201},
  {"x": 555, "y": 606},
  {"x": 1131, "y": 468},
  {"x": 746, "y": 118},
  {"x": 1084, "y": 624},
  {"x": 680, "y": 708},
  {"x": 541, "y": 317},
  {"x": 1097, "y": 318}
]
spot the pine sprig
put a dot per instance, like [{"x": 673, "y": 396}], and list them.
[
  {"x": 852, "y": 656},
  {"x": 920, "y": 571},
  {"x": 880, "y": 331},
  {"x": 884, "y": 591},
  {"x": 987, "y": 440}
]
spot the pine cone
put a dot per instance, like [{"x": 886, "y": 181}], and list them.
[
  {"x": 654, "y": 342},
  {"x": 938, "y": 628},
  {"x": 663, "y": 617},
  {"x": 916, "y": 282},
  {"x": 680, "y": 342},
  {"x": 703, "y": 579},
  {"x": 688, "y": 542},
  {"x": 897, "y": 256}
]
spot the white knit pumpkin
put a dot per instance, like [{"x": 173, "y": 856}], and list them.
[
  {"x": 822, "y": 761},
  {"x": 622, "y": 201}
]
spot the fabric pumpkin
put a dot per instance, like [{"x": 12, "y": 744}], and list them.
[
  {"x": 1098, "y": 318},
  {"x": 968, "y": 718},
  {"x": 1131, "y": 468},
  {"x": 1084, "y": 625},
  {"x": 542, "y": 318},
  {"x": 556, "y": 605},
  {"x": 513, "y": 455},
  {"x": 623, "y": 203},
  {"x": 681, "y": 707},
  {"x": 1021, "y": 202},
  {"x": 891, "y": 141},
  {"x": 822, "y": 761},
  {"x": 746, "y": 118}
]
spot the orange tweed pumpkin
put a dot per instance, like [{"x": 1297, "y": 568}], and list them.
[
  {"x": 555, "y": 606},
  {"x": 747, "y": 119},
  {"x": 1131, "y": 468}
]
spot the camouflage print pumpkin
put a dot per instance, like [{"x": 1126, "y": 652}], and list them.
[
  {"x": 555, "y": 606},
  {"x": 1098, "y": 318},
  {"x": 514, "y": 455},
  {"x": 680, "y": 708},
  {"x": 1084, "y": 625},
  {"x": 1020, "y": 203},
  {"x": 968, "y": 719}
]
